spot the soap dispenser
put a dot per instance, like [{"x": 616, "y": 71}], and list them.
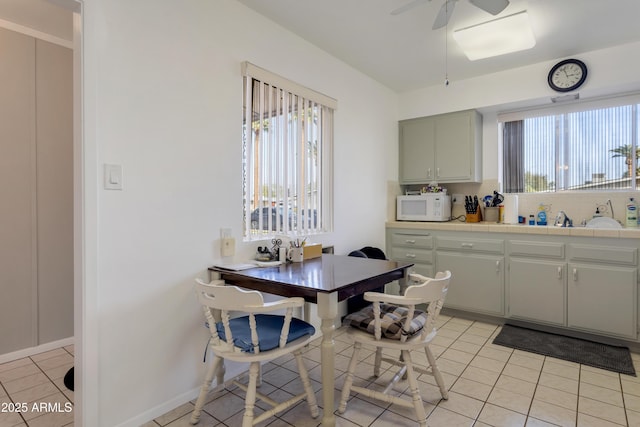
[
  {"x": 632, "y": 213},
  {"x": 542, "y": 215}
]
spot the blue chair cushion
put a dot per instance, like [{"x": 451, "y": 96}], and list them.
[
  {"x": 268, "y": 327},
  {"x": 392, "y": 321}
]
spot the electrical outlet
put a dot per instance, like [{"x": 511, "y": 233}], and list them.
[
  {"x": 227, "y": 243},
  {"x": 228, "y": 246},
  {"x": 457, "y": 199}
]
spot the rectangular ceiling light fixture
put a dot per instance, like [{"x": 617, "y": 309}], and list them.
[{"x": 493, "y": 38}]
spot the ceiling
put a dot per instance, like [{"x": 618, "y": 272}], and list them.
[{"x": 404, "y": 53}]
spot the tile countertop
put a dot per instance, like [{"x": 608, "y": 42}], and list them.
[{"x": 627, "y": 233}]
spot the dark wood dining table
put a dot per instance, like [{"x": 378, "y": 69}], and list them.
[{"x": 324, "y": 281}]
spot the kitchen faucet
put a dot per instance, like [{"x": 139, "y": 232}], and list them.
[{"x": 562, "y": 220}]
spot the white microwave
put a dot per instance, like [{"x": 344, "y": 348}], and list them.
[{"x": 424, "y": 207}]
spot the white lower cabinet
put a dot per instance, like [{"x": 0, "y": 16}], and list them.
[
  {"x": 477, "y": 281},
  {"x": 536, "y": 281},
  {"x": 412, "y": 246},
  {"x": 602, "y": 299},
  {"x": 581, "y": 284},
  {"x": 602, "y": 288},
  {"x": 477, "y": 272},
  {"x": 537, "y": 290}
]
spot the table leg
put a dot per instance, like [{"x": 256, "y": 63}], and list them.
[
  {"x": 328, "y": 311},
  {"x": 404, "y": 282}
]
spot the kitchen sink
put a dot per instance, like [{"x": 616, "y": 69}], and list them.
[{"x": 603, "y": 222}]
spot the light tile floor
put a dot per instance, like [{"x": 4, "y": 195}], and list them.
[
  {"x": 32, "y": 391},
  {"x": 489, "y": 385}
]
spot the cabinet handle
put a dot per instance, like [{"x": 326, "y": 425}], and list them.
[
  {"x": 467, "y": 245},
  {"x": 429, "y": 172},
  {"x": 437, "y": 172},
  {"x": 410, "y": 241},
  {"x": 559, "y": 272},
  {"x": 410, "y": 255},
  {"x": 498, "y": 266},
  {"x": 575, "y": 274}
]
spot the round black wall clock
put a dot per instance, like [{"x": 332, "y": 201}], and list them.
[{"x": 567, "y": 75}]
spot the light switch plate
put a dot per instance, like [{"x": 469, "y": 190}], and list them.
[{"x": 112, "y": 177}]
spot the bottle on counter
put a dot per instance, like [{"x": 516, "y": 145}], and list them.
[
  {"x": 632, "y": 213},
  {"x": 542, "y": 215},
  {"x": 532, "y": 220}
]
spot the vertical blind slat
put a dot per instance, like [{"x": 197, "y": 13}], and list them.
[
  {"x": 582, "y": 150},
  {"x": 283, "y": 171}
]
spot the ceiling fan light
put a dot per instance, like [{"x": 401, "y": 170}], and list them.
[{"x": 500, "y": 36}]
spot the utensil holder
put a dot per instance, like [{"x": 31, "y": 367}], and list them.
[
  {"x": 491, "y": 214},
  {"x": 474, "y": 217}
]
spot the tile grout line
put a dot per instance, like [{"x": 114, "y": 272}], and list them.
[
  {"x": 624, "y": 402},
  {"x": 12, "y": 401},
  {"x": 484, "y": 402},
  {"x": 533, "y": 398}
]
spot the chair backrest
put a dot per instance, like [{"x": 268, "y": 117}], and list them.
[
  {"x": 431, "y": 291},
  {"x": 217, "y": 295},
  {"x": 373, "y": 253},
  {"x": 226, "y": 298},
  {"x": 214, "y": 296},
  {"x": 369, "y": 252},
  {"x": 358, "y": 254}
]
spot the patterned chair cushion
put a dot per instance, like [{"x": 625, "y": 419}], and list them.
[{"x": 392, "y": 322}]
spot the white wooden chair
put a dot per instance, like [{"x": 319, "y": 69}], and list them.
[
  {"x": 254, "y": 338},
  {"x": 393, "y": 323}
]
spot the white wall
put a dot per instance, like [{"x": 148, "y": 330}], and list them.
[
  {"x": 162, "y": 98},
  {"x": 611, "y": 71}
]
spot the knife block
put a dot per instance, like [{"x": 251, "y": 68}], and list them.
[{"x": 474, "y": 217}]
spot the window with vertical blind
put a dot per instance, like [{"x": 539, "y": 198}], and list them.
[
  {"x": 582, "y": 147},
  {"x": 287, "y": 157}
]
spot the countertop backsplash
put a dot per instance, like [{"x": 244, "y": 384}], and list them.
[{"x": 577, "y": 205}]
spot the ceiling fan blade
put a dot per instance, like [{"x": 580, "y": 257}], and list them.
[
  {"x": 446, "y": 10},
  {"x": 494, "y": 7},
  {"x": 408, "y": 6}
]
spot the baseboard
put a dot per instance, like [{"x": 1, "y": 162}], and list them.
[
  {"x": 232, "y": 373},
  {"x": 161, "y": 409},
  {"x": 20, "y": 354}
]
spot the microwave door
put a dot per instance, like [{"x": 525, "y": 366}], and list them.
[{"x": 415, "y": 209}]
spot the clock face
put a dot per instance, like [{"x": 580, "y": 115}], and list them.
[{"x": 567, "y": 75}]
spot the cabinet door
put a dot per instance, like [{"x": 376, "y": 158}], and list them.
[
  {"x": 602, "y": 299},
  {"x": 417, "y": 151},
  {"x": 537, "y": 290},
  {"x": 454, "y": 146},
  {"x": 477, "y": 281}
]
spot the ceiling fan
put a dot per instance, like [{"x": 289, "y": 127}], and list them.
[{"x": 494, "y": 7}]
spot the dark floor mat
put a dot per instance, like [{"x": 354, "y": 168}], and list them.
[{"x": 611, "y": 358}]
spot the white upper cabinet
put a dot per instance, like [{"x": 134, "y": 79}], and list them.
[{"x": 445, "y": 148}]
